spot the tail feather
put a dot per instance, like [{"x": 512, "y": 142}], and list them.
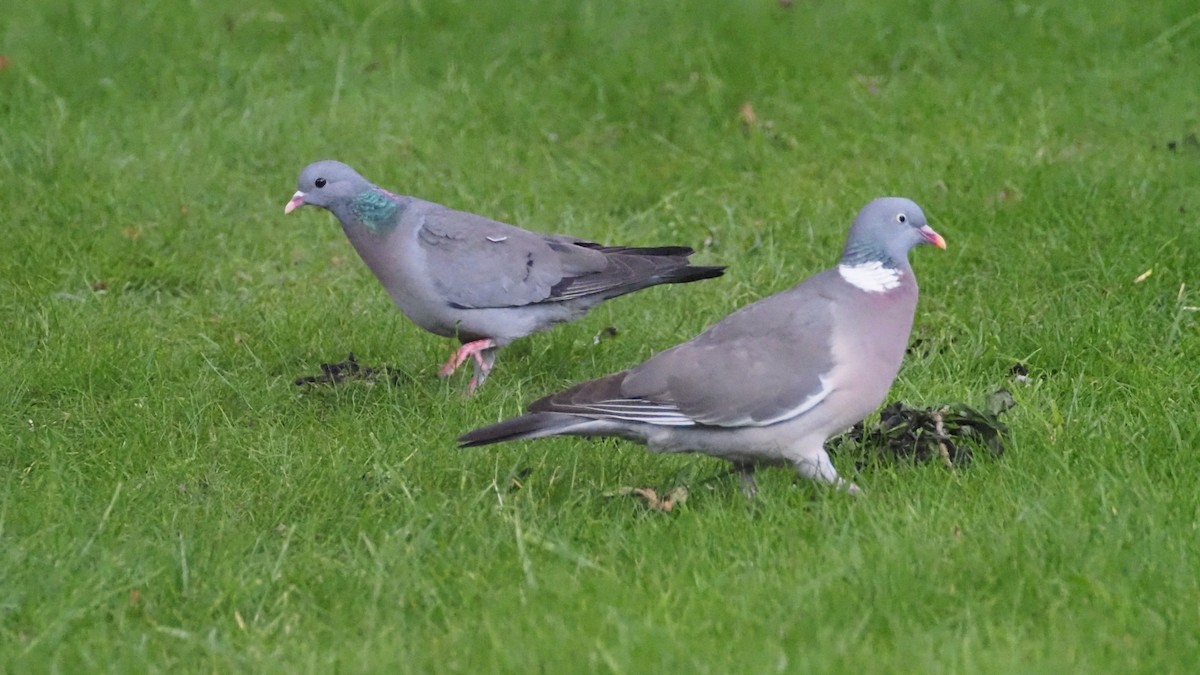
[
  {"x": 652, "y": 251},
  {"x": 534, "y": 425},
  {"x": 628, "y": 273},
  {"x": 690, "y": 273},
  {"x": 676, "y": 270}
]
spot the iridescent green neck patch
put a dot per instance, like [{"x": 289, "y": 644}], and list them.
[{"x": 375, "y": 210}]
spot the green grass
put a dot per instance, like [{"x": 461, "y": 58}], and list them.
[{"x": 170, "y": 501}]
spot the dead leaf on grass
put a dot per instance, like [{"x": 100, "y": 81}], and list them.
[
  {"x": 746, "y": 116},
  {"x": 752, "y": 125},
  {"x": 649, "y": 496}
]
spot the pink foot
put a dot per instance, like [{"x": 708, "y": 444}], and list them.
[{"x": 467, "y": 351}]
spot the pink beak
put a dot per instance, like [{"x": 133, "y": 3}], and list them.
[
  {"x": 926, "y": 231},
  {"x": 298, "y": 201}
]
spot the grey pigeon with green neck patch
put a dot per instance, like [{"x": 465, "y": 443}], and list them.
[
  {"x": 770, "y": 383},
  {"x": 484, "y": 282}
]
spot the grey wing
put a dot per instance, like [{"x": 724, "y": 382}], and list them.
[
  {"x": 763, "y": 364},
  {"x": 766, "y": 363},
  {"x": 475, "y": 262}
]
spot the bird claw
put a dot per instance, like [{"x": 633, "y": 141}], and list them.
[
  {"x": 476, "y": 380},
  {"x": 471, "y": 349},
  {"x": 484, "y": 355}
]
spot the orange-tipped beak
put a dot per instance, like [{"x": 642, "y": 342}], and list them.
[
  {"x": 927, "y": 232},
  {"x": 298, "y": 201}
]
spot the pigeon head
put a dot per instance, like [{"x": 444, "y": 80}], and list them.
[
  {"x": 327, "y": 184},
  {"x": 885, "y": 231}
]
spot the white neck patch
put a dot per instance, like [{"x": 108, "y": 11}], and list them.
[{"x": 871, "y": 277}]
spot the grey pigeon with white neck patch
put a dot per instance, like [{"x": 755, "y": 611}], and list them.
[
  {"x": 770, "y": 383},
  {"x": 484, "y": 282}
]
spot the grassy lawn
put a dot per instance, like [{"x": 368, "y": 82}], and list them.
[{"x": 171, "y": 501}]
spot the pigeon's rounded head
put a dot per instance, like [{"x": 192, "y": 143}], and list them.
[
  {"x": 326, "y": 183},
  {"x": 886, "y": 230}
]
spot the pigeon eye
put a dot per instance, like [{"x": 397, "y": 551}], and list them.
[
  {"x": 320, "y": 182},
  {"x": 899, "y": 219}
]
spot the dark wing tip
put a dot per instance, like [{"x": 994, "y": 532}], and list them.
[
  {"x": 711, "y": 272},
  {"x": 515, "y": 429},
  {"x": 476, "y": 438}
]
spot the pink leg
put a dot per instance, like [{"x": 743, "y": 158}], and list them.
[{"x": 466, "y": 351}]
